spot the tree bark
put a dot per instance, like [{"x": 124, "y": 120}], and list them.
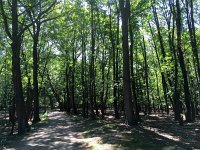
[
  {"x": 35, "y": 73},
  {"x": 16, "y": 71},
  {"x": 92, "y": 70},
  {"x": 128, "y": 99},
  {"x": 115, "y": 100},
  {"x": 182, "y": 63}
]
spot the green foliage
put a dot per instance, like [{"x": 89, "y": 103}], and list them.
[
  {"x": 65, "y": 49},
  {"x": 44, "y": 116}
]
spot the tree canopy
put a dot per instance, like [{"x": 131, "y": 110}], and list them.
[{"x": 91, "y": 56}]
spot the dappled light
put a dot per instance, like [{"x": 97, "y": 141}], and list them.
[
  {"x": 157, "y": 131},
  {"x": 100, "y": 74},
  {"x": 72, "y": 132}
]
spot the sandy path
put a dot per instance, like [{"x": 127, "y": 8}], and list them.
[
  {"x": 64, "y": 132},
  {"x": 55, "y": 133}
]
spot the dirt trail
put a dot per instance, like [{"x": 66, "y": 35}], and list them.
[
  {"x": 55, "y": 133},
  {"x": 64, "y": 132}
]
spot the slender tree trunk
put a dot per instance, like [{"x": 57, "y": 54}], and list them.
[
  {"x": 193, "y": 42},
  {"x": 73, "y": 82},
  {"x": 114, "y": 67},
  {"x": 107, "y": 84},
  {"x": 164, "y": 83},
  {"x": 102, "y": 84},
  {"x": 29, "y": 100},
  {"x": 133, "y": 83},
  {"x": 35, "y": 75},
  {"x": 68, "y": 101},
  {"x": 176, "y": 98},
  {"x": 160, "y": 38},
  {"x": 146, "y": 77},
  {"x": 192, "y": 31},
  {"x": 182, "y": 63},
  {"x": 60, "y": 104},
  {"x": 92, "y": 77},
  {"x": 117, "y": 54},
  {"x": 83, "y": 74}
]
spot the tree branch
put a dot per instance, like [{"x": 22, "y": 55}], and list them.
[{"x": 5, "y": 20}]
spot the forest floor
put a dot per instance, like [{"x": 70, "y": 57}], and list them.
[{"x": 63, "y": 132}]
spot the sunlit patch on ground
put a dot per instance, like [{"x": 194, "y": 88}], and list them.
[
  {"x": 72, "y": 132},
  {"x": 166, "y": 135}
]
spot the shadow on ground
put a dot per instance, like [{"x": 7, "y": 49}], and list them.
[
  {"x": 54, "y": 133},
  {"x": 124, "y": 137},
  {"x": 73, "y": 132}
]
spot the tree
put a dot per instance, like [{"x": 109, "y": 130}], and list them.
[
  {"x": 92, "y": 59},
  {"x": 128, "y": 103},
  {"x": 37, "y": 15},
  {"x": 182, "y": 63},
  {"x": 15, "y": 35}
]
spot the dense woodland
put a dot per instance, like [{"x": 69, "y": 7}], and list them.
[{"x": 88, "y": 57}]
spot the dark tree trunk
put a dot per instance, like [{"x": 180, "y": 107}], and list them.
[
  {"x": 182, "y": 64},
  {"x": 16, "y": 72},
  {"x": 29, "y": 101},
  {"x": 102, "y": 84},
  {"x": 192, "y": 31},
  {"x": 12, "y": 115},
  {"x": 35, "y": 74},
  {"x": 146, "y": 77},
  {"x": 56, "y": 95},
  {"x": 15, "y": 36},
  {"x": 128, "y": 103},
  {"x": 73, "y": 82},
  {"x": 134, "y": 91},
  {"x": 160, "y": 38},
  {"x": 176, "y": 98},
  {"x": 92, "y": 58},
  {"x": 193, "y": 41},
  {"x": 51, "y": 103},
  {"x": 17, "y": 83},
  {"x": 115, "y": 99},
  {"x": 164, "y": 83},
  {"x": 83, "y": 74},
  {"x": 117, "y": 55},
  {"x": 73, "y": 92},
  {"x": 67, "y": 96}
]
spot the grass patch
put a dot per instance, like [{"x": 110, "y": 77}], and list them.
[{"x": 44, "y": 116}]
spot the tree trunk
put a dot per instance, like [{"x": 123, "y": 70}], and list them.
[
  {"x": 182, "y": 64},
  {"x": 60, "y": 104},
  {"x": 176, "y": 98},
  {"x": 146, "y": 77},
  {"x": 92, "y": 70},
  {"x": 83, "y": 70},
  {"x": 164, "y": 83},
  {"x": 114, "y": 66},
  {"x": 35, "y": 75},
  {"x": 192, "y": 31},
  {"x": 128, "y": 103},
  {"x": 16, "y": 72},
  {"x": 73, "y": 82},
  {"x": 102, "y": 84},
  {"x": 67, "y": 96},
  {"x": 133, "y": 83}
]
